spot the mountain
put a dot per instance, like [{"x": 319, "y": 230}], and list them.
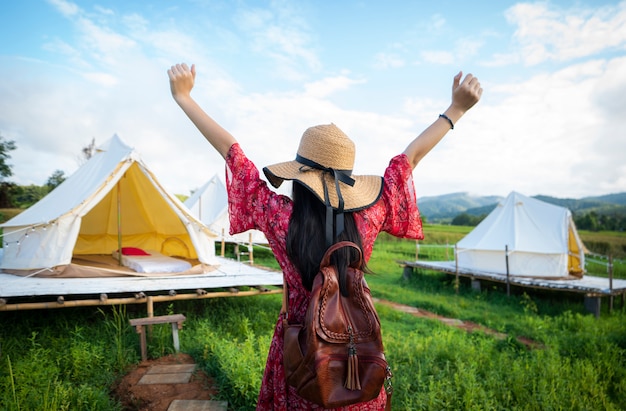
[
  {"x": 607, "y": 204},
  {"x": 446, "y": 207},
  {"x": 443, "y": 208},
  {"x": 617, "y": 198}
]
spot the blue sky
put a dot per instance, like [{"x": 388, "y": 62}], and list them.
[{"x": 552, "y": 119}]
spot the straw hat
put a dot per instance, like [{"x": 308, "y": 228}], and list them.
[{"x": 324, "y": 162}]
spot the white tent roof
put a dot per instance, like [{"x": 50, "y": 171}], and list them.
[
  {"x": 112, "y": 197},
  {"x": 541, "y": 240},
  {"x": 209, "y": 204}
]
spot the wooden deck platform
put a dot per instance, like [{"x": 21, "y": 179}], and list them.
[
  {"x": 67, "y": 292},
  {"x": 593, "y": 288}
]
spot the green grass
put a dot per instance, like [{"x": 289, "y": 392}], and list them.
[
  {"x": 606, "y": 243},
  {"x": 59, "y": 360},
  {"x": 68, "y": 359},
  {"x": 8, "y": 213}
]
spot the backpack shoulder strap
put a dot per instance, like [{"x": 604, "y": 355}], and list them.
[
  {"x": 326, "y": 259},
  {"x": 284, "y": 311}
]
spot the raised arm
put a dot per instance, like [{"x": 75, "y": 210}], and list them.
[
  {"x": 182, "y": 79},
  {"x": 464, "y": 95}
]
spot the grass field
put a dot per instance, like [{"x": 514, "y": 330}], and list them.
[
  {"x": 67, "y": 359},
  {"x": 8, "y": 213}
]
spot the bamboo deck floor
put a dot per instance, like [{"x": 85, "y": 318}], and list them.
[
  {"x": 228, "y": 275},
  {"x": 588, "y": 285}
]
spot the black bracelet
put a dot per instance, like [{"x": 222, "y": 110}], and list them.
[{"x": 449, "y": 121}]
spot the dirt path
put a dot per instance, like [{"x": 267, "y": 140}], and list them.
[
  {"x": 158, "y": 397},
  {"x": 464, "y": 325}
]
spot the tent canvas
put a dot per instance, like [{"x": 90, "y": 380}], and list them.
[
  {"x": 110, "y": 202},
  {"x": 209, "y": 204},
  {"x": 541, "y": 238}
]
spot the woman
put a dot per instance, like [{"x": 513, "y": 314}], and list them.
[{"x": 329, "y": 204}]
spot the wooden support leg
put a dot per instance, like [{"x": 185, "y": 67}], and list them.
[
  {"x": 150, "y": 312},
  {"x": 175, "y": 336},
  {"x": 407, "y": 272},
  {"x": 593, "y": 304},
  {"x": 142, "y": 341}
]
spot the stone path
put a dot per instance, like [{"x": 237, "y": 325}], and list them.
[
  {"x": 180, "y": 374},
  {"x": 197, "y": 405}
]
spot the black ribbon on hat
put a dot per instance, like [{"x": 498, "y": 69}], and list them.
[{"x": 338, "y": 175}]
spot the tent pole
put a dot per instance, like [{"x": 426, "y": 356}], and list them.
[
  {"x": 508, "y": 283},
  {"x": 119, "y": 223}
]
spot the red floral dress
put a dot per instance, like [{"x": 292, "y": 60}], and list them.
[{"x": 253, "y": 205}]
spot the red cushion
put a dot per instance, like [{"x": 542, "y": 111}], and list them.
[{"x": 133, "y": 251}]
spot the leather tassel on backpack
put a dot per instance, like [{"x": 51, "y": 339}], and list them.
[{"x": 352, "y": 379}]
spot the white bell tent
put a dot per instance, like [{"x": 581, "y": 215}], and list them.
[
  {"x": 112, "y": 201},
  {"x": 541, "y": 239},
  {"x": 209, "y": 204}
]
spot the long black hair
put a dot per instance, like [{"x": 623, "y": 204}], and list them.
[{"x": 306, "y": 241}]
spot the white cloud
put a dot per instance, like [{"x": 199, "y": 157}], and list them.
[
  {"x": 281, "y": 33},
  {"x": 66, "y": 8},
  {"x": 95, "y": 43},
  {"x": 68, "y": 53},
  {"x": 327, "y": 86},
  {"x": 502, "y": 60},
  {"x": 548, "y": 33},
  {"x": 545, "y": 135},
  {"x": 103, "y": 10},
  {"x": 104, "y": 45},
  {"x": 466, "y": 48},
  {"x": 438, "y": 56},
  {"x": 436, "y": 23},
  {"x": 388, "y": 60},
  {"x": 103, "y": 79},
  {"x": 605, "y": 157}
]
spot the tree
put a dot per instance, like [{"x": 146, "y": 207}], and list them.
[
  {"x": 26, "y": 196},
  {"x": 55, "y": 179},
  {"x": 5, "y": 147},
  {"x": 6, "y": 194},
  {"x": 588, "y": 221},
  {"x": 466, "y": 219},
  {"x": 6, "y": 187}
]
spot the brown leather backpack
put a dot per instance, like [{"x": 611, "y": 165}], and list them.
[{"x": 336, "y": 357}]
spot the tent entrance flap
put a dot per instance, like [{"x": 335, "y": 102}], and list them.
[
  {"x": 134, "y": 214},
  {"x": 575, "y": 261}
]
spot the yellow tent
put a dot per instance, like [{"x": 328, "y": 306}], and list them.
[{"x": 112, "y": 201}]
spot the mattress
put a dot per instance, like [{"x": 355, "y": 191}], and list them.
[{"x": 153, "y": 262}]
